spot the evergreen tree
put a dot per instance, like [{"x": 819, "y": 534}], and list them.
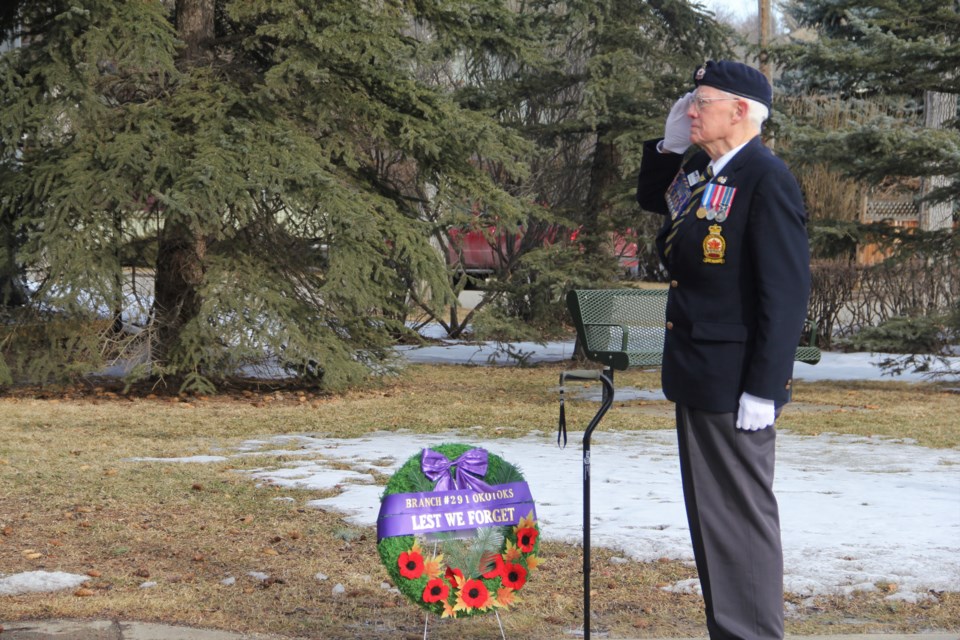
[
  {"x": 877, "y": 52},
  {"x": 598, "y": 85},
  {"x": 894, "y": 66},
  {"x": 282, "y": 168},
  {"x": 270, "y": 157}
]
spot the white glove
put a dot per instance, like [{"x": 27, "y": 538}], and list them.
[
  {"x": 755, "y": 413},
  {"x": 676, "y": 133}
]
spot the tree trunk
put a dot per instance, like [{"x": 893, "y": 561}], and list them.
[
  {"x": 181, "y": 250},
  {"x": 179, "y": 276},
  {"x": 603, "y": 174},
  {"x": 12, "y": 292},
  {"x": 938, "y": 109},
  {"x": 195, "y": 26}
]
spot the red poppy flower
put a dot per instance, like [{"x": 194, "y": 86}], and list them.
[
  {"x": 514, "y": 576},
  {"x": 497, "y": 567},
  {"x": 526, "y": 539},
  {"x": 435, "y": 591},
  {"x": 411, "y": 564},
  {"x": 475, "y": 594},
  {"x": 454, "y": 576}
]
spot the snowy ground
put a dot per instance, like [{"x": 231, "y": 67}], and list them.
[
  {"x": 832, "y": 366},
  {"x": 856, "y": 512}
]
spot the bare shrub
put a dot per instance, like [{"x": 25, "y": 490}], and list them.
[
  {"x": 833, "y": 285},
  {"x": 846, "y": 298}
]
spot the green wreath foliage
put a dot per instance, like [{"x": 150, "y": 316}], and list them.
[{"x": 457, "y": 578}]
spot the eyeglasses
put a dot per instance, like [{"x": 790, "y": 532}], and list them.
[{"x": 699, "y": 102}]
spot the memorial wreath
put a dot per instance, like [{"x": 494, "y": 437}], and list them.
[{"x": 457, "y": 531}]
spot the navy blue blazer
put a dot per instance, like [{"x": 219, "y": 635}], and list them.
[{"x": 737, "y": 304}]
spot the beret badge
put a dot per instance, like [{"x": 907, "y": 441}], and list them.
[{"x": 736, "y": 78}]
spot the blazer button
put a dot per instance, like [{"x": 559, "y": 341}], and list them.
[
  {"x": 788, "y": 384},
  {"x": 674, "y": 284},
  {"x": 669, "y": 325}
]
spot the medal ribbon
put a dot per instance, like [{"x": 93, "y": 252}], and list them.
[
  {"x": 691, "y": 205},
  {"x": 717, "y": 196},
  {"x": 726, "y": 199},
  {"x": 714, "y": 192}
]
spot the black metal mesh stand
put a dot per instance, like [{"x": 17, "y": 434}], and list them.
[{"x": 606, "y": 379}]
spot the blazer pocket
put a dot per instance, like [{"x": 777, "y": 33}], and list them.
[{"x": 719, "y": 332}]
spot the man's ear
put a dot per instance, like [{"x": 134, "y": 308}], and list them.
[{"x": 743, "y": 107}]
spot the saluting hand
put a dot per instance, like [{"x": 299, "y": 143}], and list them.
[{"x": 676, "y": 132}]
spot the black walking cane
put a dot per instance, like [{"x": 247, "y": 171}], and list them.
[{"x": 606, "y": 378}]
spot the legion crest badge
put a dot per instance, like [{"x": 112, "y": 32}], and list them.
[{"x": 714, "y": 246}]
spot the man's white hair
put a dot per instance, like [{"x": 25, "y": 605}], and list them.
[{"x": 757, "y": 113}]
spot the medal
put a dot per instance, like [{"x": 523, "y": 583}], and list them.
[
  {"x": 717, "y": 199},
  {"x": 702, "y": 213},
  {"x": 714, "y": 246}
]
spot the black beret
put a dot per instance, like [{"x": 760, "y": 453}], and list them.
[{"x": 736, "y": 78}]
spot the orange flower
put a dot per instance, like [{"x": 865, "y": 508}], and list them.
[
  {"x": 448, "y": 610},
  {"x": 510, "y": 552},
  {"x": 432, "y": 567},
  {"x": 533, "y": 562},
  {"x": 526, "y": 522},
  {"x": 514, "y": 576},
  {"x": 411, "y": 563},
  {"x": 505, "y": 597},
  {"x": 526, "y": 539},
  {"x": 435, "y": 591}
]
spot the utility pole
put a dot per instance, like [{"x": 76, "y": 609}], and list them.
[
  {"x": 763, "y": 27},
  {"x": 763, "y": 18}
]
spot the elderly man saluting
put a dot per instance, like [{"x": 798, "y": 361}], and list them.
[{"x": 735, "y": 244}]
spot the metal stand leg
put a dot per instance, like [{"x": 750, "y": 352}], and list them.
[
  {"x": 426, "y": 619},
  {"x": 500, "y": 624},
  {"x": 606, "y": 379}
]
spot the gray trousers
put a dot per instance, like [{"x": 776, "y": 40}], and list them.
[{"x": 734, "y": 523}]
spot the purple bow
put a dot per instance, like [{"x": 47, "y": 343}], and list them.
[{"x": 471, "y": 467}]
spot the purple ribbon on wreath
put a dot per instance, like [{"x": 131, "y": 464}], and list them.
[{"x": 471, "y": 467}]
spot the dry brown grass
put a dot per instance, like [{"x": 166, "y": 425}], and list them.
[{"x": 71, "y": 500}]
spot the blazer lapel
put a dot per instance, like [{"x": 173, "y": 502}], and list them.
[{"x": 690, "y": 218}]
